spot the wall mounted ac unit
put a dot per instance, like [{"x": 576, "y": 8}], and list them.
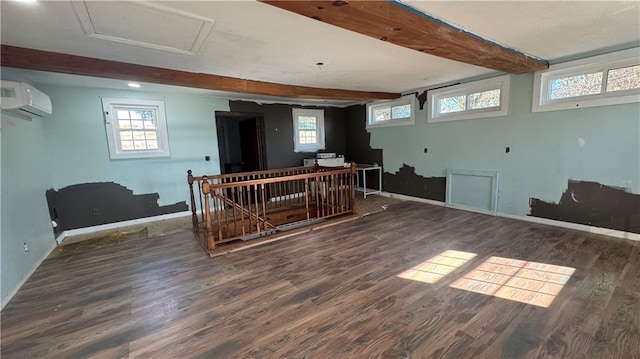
[{"x": 24, "y": 100}]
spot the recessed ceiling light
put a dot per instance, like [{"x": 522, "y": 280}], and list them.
[
  {"x": 27, "y": 1},
  {"x": 134, "y": 85}
]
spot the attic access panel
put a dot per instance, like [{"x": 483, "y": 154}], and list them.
[{"x": 144, "y": 24}]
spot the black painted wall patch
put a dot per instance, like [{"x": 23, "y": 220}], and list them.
[
  {"x": 92, "y": 204},
  {"x": 593, "y": 204}
]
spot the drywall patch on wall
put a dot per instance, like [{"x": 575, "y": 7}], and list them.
[
  {"x": 407, "y": 182},
  {"x": 593, "y": 204},
  {"x": 92, "y": 204}
]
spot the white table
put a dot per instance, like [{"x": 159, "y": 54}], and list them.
[{"x": 360, "y": 167}]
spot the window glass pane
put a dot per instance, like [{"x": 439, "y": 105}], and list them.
[
  {"x": 484, "y": 99},
  {"x": 625, "y": 78},
  {"x": 138, "y": 135},
  {"x": 136, "y": 124},
  {"x": 127, "y": 145},
  {"x": 151, "y": 135},
  {"x": 152, "y": 145},
  {"x": 382, "y": 114},
  {"x": 149, "y": 124},
  {"x": 307, "y": 137},
  {"x": 123, "y": 114},
  {"x": 136, "y": 115},
  {"x": 140, "y": 145},
  {"x": 579, "y": 85},
  {"x": 126, "y": 135},
  {"x": 306, "y": 123},
  {"x": 147, "y": 115},
  {"x": 452, "y": 104},
  {"x": 124, "y": 124},
  {"x": 403, "y": 111}
]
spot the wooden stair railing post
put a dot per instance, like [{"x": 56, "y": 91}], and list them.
[
  {"x": 209, "y": 227},
  {"x": 194, "y": 214},
  {"x": 353, "y": 187}
]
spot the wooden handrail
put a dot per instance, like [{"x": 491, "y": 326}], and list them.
[
  {"x": 255, "y": 173},
  {"x": 278, "y": 179}
]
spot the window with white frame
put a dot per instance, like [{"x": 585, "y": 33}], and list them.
[
  {"x": 135, "y": 128},
  {"x": 308, "y": 130},
  {"x": 478, "y": 99},
  {"x": 608, "y": 79},
  {"x": 392, "y": 113}
]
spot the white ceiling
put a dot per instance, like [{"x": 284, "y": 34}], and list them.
[{"x": 256, "y": 41}]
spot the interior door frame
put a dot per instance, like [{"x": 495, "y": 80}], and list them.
[{"x": 260, "y": 129}]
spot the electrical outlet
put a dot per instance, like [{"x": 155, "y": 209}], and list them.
[
  {"x": 26, "y": 247},
  {"x": 95, "y": 212}
]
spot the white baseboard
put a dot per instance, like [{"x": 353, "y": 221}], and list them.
[
  {"x": 116, "y": 225},
  {"x": 471, "y": 209},
  {"x": 580, "y": 227},
  {"x": 545, "y": 221},
  {"x": 27, "y": 276},
  {"x": 411, "y": 198}
]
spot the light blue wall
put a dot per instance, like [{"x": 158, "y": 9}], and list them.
[
  {"x": 24, "y": 215},
  {"x": 78, "y": 142},
  {"x": 70, "y": 147},
  {"x": 545, "y": 147}
]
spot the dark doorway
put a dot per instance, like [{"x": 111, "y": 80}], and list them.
[{"x": 241, "y": 141}]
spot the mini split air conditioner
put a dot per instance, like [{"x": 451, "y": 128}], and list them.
[{"x": 24, "y": 100}]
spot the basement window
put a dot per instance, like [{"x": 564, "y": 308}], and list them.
[
  {"x": 391, "y": 113},
  {"x": 308, "y": 130},
  {"x": 478, "y": 99},
  {"x": 608, "y": 79},
  {"x": 135, "y": 128}
]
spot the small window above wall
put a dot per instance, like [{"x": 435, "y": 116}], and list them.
[
  {"x": 392, "y": 113},
  {"x": 308, "y": 130},
  {"x": 484, "y": 98},
  {"x": 608, "y": 79},
  {"x": 135, "y": 128}
]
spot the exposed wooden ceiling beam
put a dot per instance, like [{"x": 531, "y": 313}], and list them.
[
  {"x": 404, "y": 26},
  {"x": 77, "y": 65}
]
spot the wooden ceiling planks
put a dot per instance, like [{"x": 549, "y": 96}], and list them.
[
  {"x": 78, "y": 65},
  {"x": 404, "y": 26}
]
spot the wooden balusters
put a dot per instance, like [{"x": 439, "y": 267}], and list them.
[
  {"x": 237, "y": 206},
  {"x": 306, "y": 196}
]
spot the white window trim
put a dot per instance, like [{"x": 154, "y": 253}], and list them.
[
  {"x": 614, "y": 60},
  {"x": 313, "y": 147},
  {"x": 405, "y": 100},
  {"x": 500, "y": 82},
  {"x": 113, "y": 137}
]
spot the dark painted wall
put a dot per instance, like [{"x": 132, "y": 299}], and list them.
[
  {"x": 358, "y": 139},
  {"x": 278, "y": 121},
  {"x": 593, "y": 204},
  {"x": 92, "y": 204},
  {"x": 405, "y": 181}
]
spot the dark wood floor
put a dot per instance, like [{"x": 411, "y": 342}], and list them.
[{"x": 332, "y": 293}]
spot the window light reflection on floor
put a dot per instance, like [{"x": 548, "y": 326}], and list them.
[
  {"x": 526, "y": 282},
  {"x": 436, "y": 268}
]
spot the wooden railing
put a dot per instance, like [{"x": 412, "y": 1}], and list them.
[{"x": 253, "y": 204}]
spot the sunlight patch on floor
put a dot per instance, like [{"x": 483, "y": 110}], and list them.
[
  {"x": 526, "y": 282},
  {"x": 436, "y": 268}
]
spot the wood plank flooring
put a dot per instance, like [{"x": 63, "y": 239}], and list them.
[{"x": 331, "y": 293}]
